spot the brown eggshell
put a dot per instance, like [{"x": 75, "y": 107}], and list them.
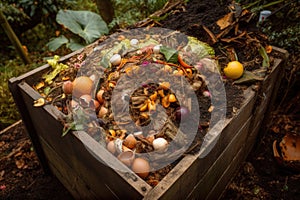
[
  {"x": 141, "y": 167},
  {"x": 99, "y": 96},
  {"x": 130, "y": 141},
  {"x": 126, "y": 157},
  {"x": 87, "y": 98},
  {"x": 67, "y": 87},
  {"x": 102, "y": 112},
  {"x": 82, "y": 85},
  {"x": 290, "y": 147},
  {"x": 111, "y": 147}
]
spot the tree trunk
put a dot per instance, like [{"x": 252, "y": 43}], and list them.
[
  {"x": 13, "y": 38},
  {"x": 106, "y": 10}
]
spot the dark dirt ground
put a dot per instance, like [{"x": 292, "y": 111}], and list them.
[{"x": 259, "y": 177}]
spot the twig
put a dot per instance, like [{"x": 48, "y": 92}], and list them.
[
  {"x": 14, "y": 151},
  {"x": 211, "y": 35}
]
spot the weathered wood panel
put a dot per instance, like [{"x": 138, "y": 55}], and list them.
[
  {"x": 74, "y": 151},
  {"x": 179, "y": 180},
  {"x": 67, "y": 176},
  {"x": 211, "y": 177}
]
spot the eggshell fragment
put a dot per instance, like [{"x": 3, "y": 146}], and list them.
[
  {"x": 82, "y": 85},
  {"x": 141, "y": 167},
  {"x": 67, "y": 87},
  {"x": 115, "y": 59},
  {"x": 160, "y": 144},
  {"x": 130, "y": 141},
  {"x": 126, "y": 157},
  {"x": 111, "y": 147}
]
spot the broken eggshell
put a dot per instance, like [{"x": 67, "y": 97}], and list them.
[
  {"x": 130, "y": 141},
  {"x": 111, "y": 147},
  {"x": 287, "y": 151},
  {"x": 141, "y": 167},
  {"x": 126, "y": 157},
  {"x": 160, "y": 144},
  {"x": 115, "y": 59},
  {"x": 82, "y": 85}
]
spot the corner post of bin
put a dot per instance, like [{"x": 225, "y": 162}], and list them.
[{"x": 14, "y": 89}]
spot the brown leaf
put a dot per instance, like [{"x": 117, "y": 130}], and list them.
[{"x": 225, "y": 21}]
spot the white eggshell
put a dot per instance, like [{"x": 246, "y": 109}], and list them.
[
  {"x": 160, "y": 144},
  {"x": 156, "y": 49},
  {"x": 134, "y": 42},
  {"x": 115, "y": 59}
]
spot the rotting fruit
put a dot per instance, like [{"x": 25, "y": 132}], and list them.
[{"x": 234, "y": 70}]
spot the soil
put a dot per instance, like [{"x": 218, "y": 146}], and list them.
[{"x": 259, "y": 177}]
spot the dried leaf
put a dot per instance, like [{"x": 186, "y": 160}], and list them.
[
  {"x": 225, "y": 21},
  {"x": 248, "y": 77},
  {"x": 39, "y": 102},
  {"x": 39, "y": 85}
]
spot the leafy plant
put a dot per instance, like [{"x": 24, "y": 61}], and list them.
[
  {"x": 89, "y": 26},
  {"x": 129, "y": 12}
]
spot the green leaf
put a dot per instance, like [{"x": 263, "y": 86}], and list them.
[
  {"x": 171, "y": 55},
  {"x": 266, "y": 59},
  {"x": 55, "y": 43},
  {"x": 116, "y": 49},
  {"x": 199, "y": 48},
  {"x": 88, "y": 25},
  {"x": 74, "y": 45},
  {"x": 248, "y": 77}
]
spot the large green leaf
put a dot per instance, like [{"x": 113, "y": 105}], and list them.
[
  {"x": 74, "y": 45},
  {"x": 57, "y": 42},
  {"x": 88, "y": 25}
]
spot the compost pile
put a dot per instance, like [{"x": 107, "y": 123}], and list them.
[
  {"x": 136, "y": 93},
  {"x": 229, "y": 30},
  {"x": 148, "y": 77}
]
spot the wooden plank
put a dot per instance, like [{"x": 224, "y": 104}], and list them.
[
  {"x": 207, "y": 182},
  {"x": 251, "y": 139},
  {"x": 270, "y": 89},
  {"x": 74, "y": 152},
  {"x": 266, "y": 92},
  {"x": 217, "y": 191},
  {"x": 177, "y": 184},
  {"x": 29, "y": 124},
  {"x": 67, "y": 176}
]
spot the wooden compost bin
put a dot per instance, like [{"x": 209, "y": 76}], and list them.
[{"x": 69, "y": 158}]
